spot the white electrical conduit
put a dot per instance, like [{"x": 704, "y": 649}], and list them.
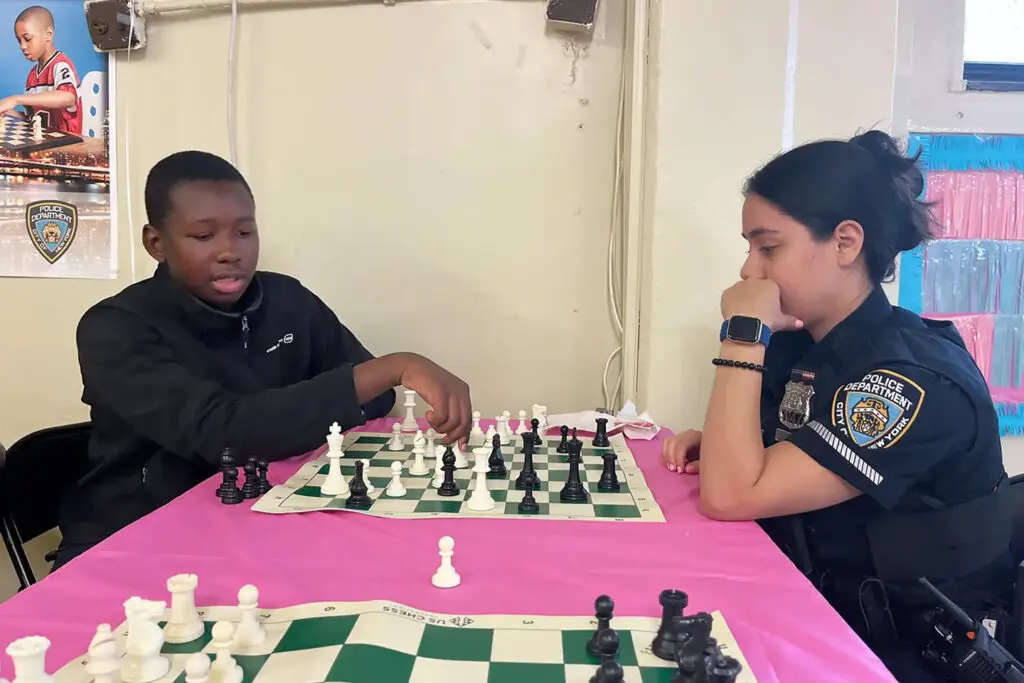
[{"x": 155, "y": 7}]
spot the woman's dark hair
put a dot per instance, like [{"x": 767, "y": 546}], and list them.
[{"x": 867, "y": 179}]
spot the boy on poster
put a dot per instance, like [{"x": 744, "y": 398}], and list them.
[{"x": 51, "y": 89}]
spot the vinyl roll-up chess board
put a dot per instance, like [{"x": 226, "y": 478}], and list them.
[
  {"x": 386, "y": 642},
  {"x": 633, "y": 502}
]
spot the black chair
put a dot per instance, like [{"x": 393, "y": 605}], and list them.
[{"x": 35, "y": 475}]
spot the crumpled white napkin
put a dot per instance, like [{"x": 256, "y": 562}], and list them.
[{"x": 632, "y": 425}]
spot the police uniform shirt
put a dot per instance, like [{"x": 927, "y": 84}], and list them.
[{"x": 892, "y": 403}]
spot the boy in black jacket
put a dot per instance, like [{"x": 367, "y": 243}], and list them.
[{"x": 209, "y": 354}]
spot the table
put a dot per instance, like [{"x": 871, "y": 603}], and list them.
[{"x": 784, "y": 627}]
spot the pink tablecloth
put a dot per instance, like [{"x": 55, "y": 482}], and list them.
[{"x": 786, "y": 630}]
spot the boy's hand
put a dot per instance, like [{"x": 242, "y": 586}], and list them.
[
  {"x": 451, "y": 409},
  {"x": 681, "y": 452},
  {"x": 8, "y": 104}
]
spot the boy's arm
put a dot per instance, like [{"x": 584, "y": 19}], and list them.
[
  {"x": 127, "y": 369},
  {"x": 54, "y": 99}
]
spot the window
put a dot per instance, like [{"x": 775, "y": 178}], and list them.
[{"x": 994, "y": 45}]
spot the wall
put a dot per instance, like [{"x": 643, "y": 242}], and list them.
[
  {"x": 730, "y": 95},
  {"x": 929, "y": 100},
  {"x": 440, "y": 173}
]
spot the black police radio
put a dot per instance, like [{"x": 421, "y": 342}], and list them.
[{"x": 973, "y": 655}]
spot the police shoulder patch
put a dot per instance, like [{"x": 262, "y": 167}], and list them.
[{"x": 877, "y": 410}]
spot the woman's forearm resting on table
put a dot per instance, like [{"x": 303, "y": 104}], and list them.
[{"x": 732, "y": 453}]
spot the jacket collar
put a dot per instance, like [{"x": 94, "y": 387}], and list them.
[
  {"x": 846, "y": 341},
  {"x": 203, "y": 313}
]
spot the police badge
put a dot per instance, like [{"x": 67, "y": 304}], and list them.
[
  {"x": 795, "y": 408},
  {"x": 52, "y": 226}
]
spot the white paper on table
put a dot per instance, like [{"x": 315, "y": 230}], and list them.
[{"x": 627, "y": 421}]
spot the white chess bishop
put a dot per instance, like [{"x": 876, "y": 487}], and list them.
[{"x": 103, "y": 661}]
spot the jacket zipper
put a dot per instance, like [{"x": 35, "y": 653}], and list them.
[{"x": 245, "y": 332}]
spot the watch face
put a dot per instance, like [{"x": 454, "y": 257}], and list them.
[{"x": 744, "y": 329}]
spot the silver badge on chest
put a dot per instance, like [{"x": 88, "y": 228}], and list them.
[{"x": 795, "y": 409}]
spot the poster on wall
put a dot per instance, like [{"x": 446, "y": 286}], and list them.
[
  {"x": 973, "y": 272},
  {"x": 57, "y": 205}
]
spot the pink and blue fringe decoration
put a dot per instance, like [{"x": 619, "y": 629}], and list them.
[{"x": 973, "y": 273}]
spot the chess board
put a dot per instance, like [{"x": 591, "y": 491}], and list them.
[
  {"x": 16, "y": 136},
  {"x": 385, "y": 642},
  {"x": 634, "y": 502}
]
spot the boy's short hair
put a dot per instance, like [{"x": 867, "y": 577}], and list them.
[
  {"x": 183, "y": 167},
  {"x": 36, "y": 12}
]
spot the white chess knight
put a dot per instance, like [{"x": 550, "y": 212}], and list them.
[
  {"x": 396, "y": 443},
  {"x": 476, "y": 434},
  {"x": 396, "y": 489},
  {"x": 480, "y": 500},
  {"x": 446, "y": 576},
  {"x": 249, "y": 632},
  {"x": 29, "y": 657},
  {"x": 184, "y": 624},
  {"x": 334, "y": 484},
  {"x": 540, "y": 413},
  {"x": 104, "y": 661},
  {"x": 418, "y": 467},
  {"x": 409, "y": 423},
  {"x": 142, "y": 661},
  {"x": 224, "y": 668}
]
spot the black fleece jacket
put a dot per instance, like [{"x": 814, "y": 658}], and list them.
[{"x": 172, "y": 382}]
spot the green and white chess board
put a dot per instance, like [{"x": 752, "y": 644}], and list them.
[
  {"x": 385, "y": 642},
  {"x": 633, "y": 502}
]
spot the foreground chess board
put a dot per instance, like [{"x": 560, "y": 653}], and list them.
[
  {"x": 385, "y": 642},
  {"x": 634, "y": 502},
  {"x": 16, "y": 136}
]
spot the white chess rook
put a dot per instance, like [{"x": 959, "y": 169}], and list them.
[
  {"x": 184, "y": 624},
  {"x": 480, "y": 500},
  {"x": 446, "y": 576},
  {"x": 29, "y": 657}
]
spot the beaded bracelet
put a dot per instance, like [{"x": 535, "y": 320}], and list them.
[{"x": 727, "y": 362}]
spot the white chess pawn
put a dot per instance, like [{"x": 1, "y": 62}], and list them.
[
  {"x": 460, "y": 457},
  {"x": 480, "y": 500},
  {"x": 489, "y": 437},
  {"x": 224, "y": 667},
  {"x": 396, "y": 443},
  {"x": 523, "y": 426},
  {"x": 505, "y": 428},
  {"x": 438, "y": 471},
  {"x": 29, "y": 657},
  {"x": 409, "y": 423},
  {"x": 396, "y": 489},
  {"x": 197, "y": 668},
  {"x": 104, "y": 659},
  {"x": 418, "y": 467},
  {"x": 446, "y": 576},
  {"x": 476, "y": 434},
  {"x": 184, "y": 624},
  {"x": 431, "y": 445},
  {"x": 249, "y": 632}
]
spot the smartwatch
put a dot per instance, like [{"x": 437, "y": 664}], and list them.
[{"x": 745, "y": 330}]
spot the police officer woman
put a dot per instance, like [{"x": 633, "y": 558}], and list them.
[{"x": 862, "y": 437}]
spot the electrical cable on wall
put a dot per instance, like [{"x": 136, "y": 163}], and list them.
[
  {"x": 232, "y": 132},
  {"x": 127, "y": 151}
]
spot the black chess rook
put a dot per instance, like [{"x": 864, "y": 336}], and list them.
[
  {"x": 609, "y": 480},
  {"x": 673, "y": 602},
  {"x": 574, "y": 491},
  {"x": 358, "y": 498},
  {"x": 227, "y": 463},
  {"x": 448, "y": 487},
  {"x": 601, "y": 436}
]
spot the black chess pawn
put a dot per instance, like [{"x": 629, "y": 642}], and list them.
[
  {"x": 723, "y": 669},
  {"x": 227, "y": 463},
  {"x": 528, "y": 475},
  {"x": 563, "y": 445},
  {"x": 528, "y": 505},
  {"x": 574, "y": 491},
  {"x": 609, "y": 480},
  {"x": 603, "y": 608},
  {"x": 610, "y": 671},
  {"x": 689, "y": 659},
  {"x": 448, "y": 487},
  {"x": 358, "y": 498},
  {"x": 534, "y": 434},
  {"x": 251, "y": 487},
  {"x": 232, "y": 494},
  {"x": 673, "y": 603},
  {"x": 601, "y": 436},
  {"x": 263, "y": 467},
  {"x": 496, "y": 462}
]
